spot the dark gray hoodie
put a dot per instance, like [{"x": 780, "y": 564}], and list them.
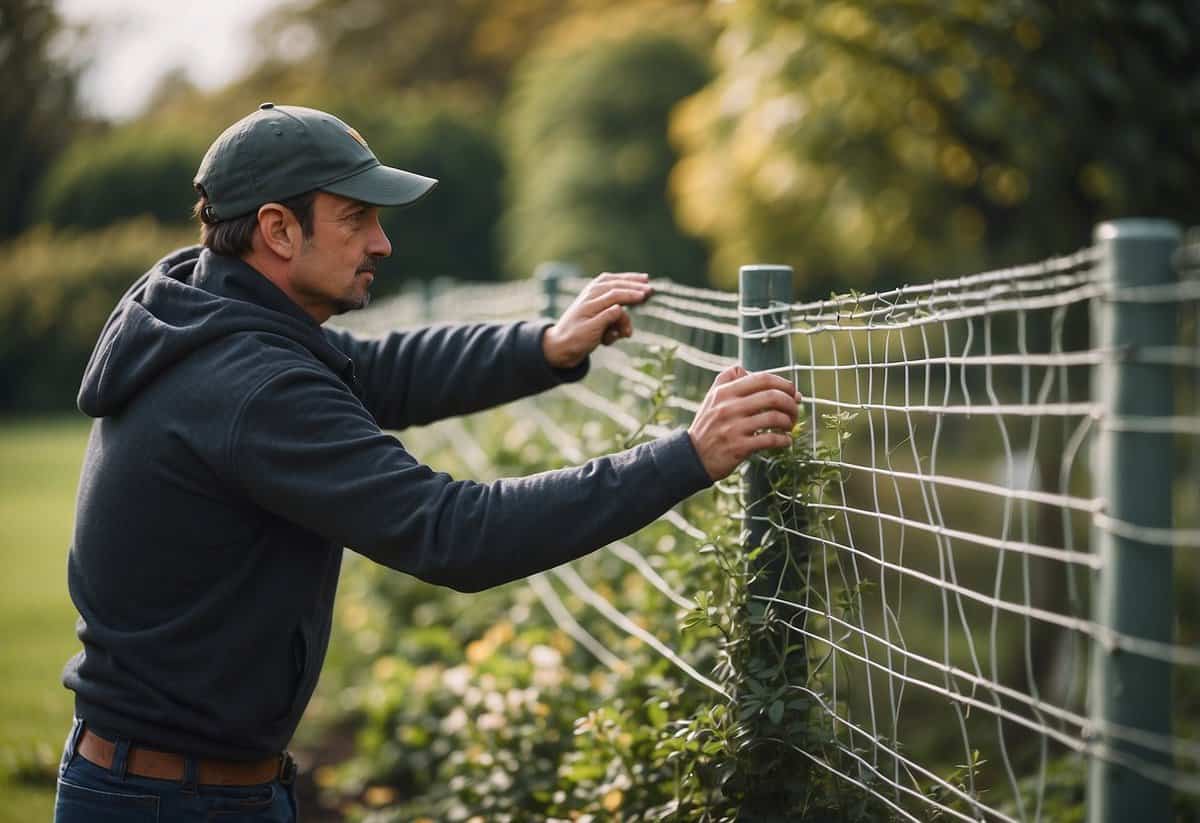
[{"x": 238, "y": 446}]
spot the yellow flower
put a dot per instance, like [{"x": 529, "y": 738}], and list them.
[
  {"x": 612, "y": 801},
  {"x": 354, "y": 616},
  {"x": 561, "y": 641},
  {"x": 478, "y": 651},
  {"x": 385, "y": 668},
  {"x": 499, "y": 634},
  {"x": 379, "y": 796}
]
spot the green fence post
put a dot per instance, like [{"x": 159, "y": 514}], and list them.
[
  {"x": 775, "y": 775},
  {"x": 1131, "y": 470},
  {"x": 428, "y": 298},
  {"x": 431, "y": 292},
  {"x": 762, "y": 287},
  {"x": 551, "y": 274}
]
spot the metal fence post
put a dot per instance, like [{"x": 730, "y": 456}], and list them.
[
  {"x": 551, "y": 275},
  {"x": 431, "y": 290},
  {"x": 1131, "y": 470},
  {"x": 775, "y": 774},
  {"x": 762, "y": 287},
  {"x": 427, "y": 298}
]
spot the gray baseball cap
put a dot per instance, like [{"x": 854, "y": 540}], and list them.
[{"x": 279, "y": 152}]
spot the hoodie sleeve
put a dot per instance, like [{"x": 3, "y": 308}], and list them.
[
  {"x": 305, "y": 449},
  {"x": 414, "y": 377}
]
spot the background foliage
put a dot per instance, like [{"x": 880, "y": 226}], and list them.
[
  {"x": 867, "y": 142},
  {"x": 458, "y": 47},
  {"x": 56, "y": 289},
  {"x": 589, "y": 158},
  {"x": 129, "y": 171},
  {"x": 39, "y": 107}
]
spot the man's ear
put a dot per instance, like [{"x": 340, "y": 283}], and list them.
[{"x": 279, "y": 230}]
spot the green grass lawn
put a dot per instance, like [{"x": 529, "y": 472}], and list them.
[
  {"x": 39, "y": 469},
  {"x": 39, "y": 472}
]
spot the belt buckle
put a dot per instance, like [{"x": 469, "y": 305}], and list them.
[{"x": 287, "y": 769}]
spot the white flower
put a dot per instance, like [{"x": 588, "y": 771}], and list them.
[
  {"x": 545, "y": 657},
  {"x": 500, "y": 779},
  {"x": 457, "y": 679},
  {"x": 454, "y": 722},
  {"x": 490, "y": 722},
  {"x": 547, "y": 678},
  {"x": 494, "y": 702}
]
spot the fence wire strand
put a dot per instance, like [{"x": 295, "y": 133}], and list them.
[{"x": 950, "y": 558}]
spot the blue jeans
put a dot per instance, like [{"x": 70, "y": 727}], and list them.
[{"x": 88, "y": 793}]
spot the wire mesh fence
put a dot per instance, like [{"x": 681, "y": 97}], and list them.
[{"x": 993, "y": 630}]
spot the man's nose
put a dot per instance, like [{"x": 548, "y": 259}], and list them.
[{"x": 379, "y": 245}]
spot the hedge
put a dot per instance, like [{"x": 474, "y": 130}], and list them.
[{"x": 57, "y": 288}]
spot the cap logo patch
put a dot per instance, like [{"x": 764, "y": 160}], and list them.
[{"x": 354, "y": 133}]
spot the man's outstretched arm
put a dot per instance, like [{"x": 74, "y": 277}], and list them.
[{"x": 331, "y": 470}]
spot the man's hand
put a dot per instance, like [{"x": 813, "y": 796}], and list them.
[
  {"x": 597, "y": 316},
  {"x": 741, "y": 414}
]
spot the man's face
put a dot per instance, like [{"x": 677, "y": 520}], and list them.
[{"x": 336, "y": 265}]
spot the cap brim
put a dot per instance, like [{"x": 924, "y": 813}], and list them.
[{"x": 383, "y": 186}]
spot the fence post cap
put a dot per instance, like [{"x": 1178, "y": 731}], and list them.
[
  {"x": 762, "y": 283},
  {"x": 1148, "y": 228},
  {"x": 765, "y": 267}
]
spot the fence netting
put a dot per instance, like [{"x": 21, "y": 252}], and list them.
[{"x": 950, "y": 557}]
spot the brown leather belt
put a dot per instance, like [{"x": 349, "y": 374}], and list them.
[{"x": 167, "y": 766}]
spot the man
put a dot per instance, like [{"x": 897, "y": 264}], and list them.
[{"x": 238, "y": 446}]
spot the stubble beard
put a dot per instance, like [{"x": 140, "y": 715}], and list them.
[
  {"x": 347, "y": 304},
  {"x": 352, "y": 304}
]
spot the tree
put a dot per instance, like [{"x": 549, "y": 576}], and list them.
[
  {"x": 471, "y": 46},
  {"x": 589, "y": 158},
  {"x": 870, "y": 139},
  {"x": 38, "y": 105}
]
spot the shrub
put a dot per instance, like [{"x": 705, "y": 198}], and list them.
[
  {"x": 129, "y": 171},
  {"x": 56, "y": 290}
]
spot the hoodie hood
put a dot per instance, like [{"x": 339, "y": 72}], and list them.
[{"x": 187, "y": 300}]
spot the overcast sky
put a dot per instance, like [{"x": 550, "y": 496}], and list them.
[{"x": 138, "y": 41}]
